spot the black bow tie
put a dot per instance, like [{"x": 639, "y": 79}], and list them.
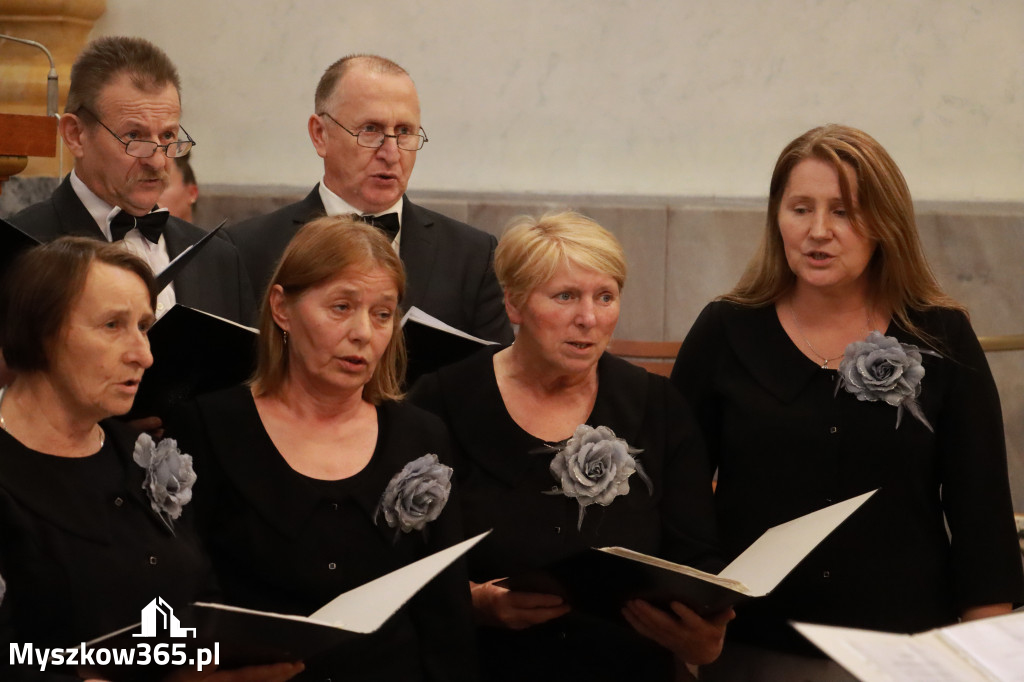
[
  {"x": 387, "y": 223},
  {"x": 150, "y": 225}
]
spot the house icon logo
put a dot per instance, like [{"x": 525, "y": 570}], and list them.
[{"x": 158, "y": 618}]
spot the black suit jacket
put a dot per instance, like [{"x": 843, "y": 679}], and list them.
[
  {"x": 448, "y": 265},
  {"x": 214, "y": 281}
]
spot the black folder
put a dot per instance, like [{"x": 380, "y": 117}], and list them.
[
  {"x": 193, "y": 353},
  {"x": 431, "y": 344}
]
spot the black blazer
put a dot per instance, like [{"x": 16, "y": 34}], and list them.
[
  {"x": 214, "y": 281},
  {"x": 81, "y": 549},
  {"x": 448, "y": 265},
  {"x": 504, "y": 476},
  {"x": 786, "y": 443},
  {"x": 286, "y": 543}
]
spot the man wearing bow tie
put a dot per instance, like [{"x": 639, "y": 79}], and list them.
[
  {"x": 366, "y": 128},
  {"x": 121, "y": 124}
]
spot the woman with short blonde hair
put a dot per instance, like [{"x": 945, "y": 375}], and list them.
[{"x": 520, "y": 415}]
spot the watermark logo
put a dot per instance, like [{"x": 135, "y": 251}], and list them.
[
  {"x": 158, "y": 618},
  {"x": 157, "y": 622}
]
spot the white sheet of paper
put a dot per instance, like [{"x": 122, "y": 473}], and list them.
[
  {"x": 777, "y": 552},
  {"x": 426, "y": 319},
  {"x": 365, "y": 608},
  {"x": 888, "y": 657},
  {"x": 995, "y": 644}
]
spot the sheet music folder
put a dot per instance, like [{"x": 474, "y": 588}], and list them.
[
  {"x": 193, "y": 353},
  {"x": 249, "y": 637},
  {"x": 431, "y": 344},
  {"x": 601, "y": 579}
]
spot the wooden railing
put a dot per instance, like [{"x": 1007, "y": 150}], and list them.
[{"x": 659, "y": 356}]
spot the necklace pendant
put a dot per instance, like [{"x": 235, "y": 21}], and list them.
[{"x": 825, "y": 365}]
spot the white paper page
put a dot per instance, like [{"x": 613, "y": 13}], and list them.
[
  {"x": 417, "y": 315},
  {"x": 995, "y": 644},
  {"x": 777, "y": 552},
  {"x": 887, "y": 657},
  {"x": 365, "y": 608}
]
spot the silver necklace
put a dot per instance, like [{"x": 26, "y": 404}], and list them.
[
  {"x": 825, "y": 360},
  {"x": 3, "y": 422}
]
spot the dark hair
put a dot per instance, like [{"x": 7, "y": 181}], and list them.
[
  {"x": 188, "y": 176},
  {"x": 39, "y": 290},
  {"x": 104, "y": 59},
  {"x": 329, "y": 81},
  {"x": 321, "y": 250}
]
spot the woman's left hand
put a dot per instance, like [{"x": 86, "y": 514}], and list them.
[{"x": 690, "y": 637}]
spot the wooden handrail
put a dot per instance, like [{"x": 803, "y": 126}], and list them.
[{"x": 992, "y": 344}]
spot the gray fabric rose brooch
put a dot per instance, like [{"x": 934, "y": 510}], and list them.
[
  {"x": 882, "y": 368},
  {"x": 3, "y": 589},
  {"x": 415, "y": 495},
  {"x": 169, "y": 476},
  {"x": 594, "y": 467}
]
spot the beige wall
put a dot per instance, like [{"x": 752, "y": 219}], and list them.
[{"x": 668, "y": 97}]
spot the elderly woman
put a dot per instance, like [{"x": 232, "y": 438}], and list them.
[
  {"x": 307, "y": 470},
  {"x": 835, "y": 366},
  {"x": 89, "y": 511},
  {"x": 562, "y": 276}
]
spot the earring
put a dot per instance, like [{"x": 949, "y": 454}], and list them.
[{"x": 285, "y": 337}]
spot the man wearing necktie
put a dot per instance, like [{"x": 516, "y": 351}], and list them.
[
  {"x": 121, "y": 124},
  {"x": 366, "y": 128}
]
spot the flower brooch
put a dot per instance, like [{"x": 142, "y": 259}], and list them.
[
  {"x": 169, "y": 476},
  {"x": 416, "y": 495},
  {"x": 882, "y": 368},
  {"x": 594, "y": 467}
]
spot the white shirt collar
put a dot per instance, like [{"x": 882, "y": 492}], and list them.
[
  {"x": 335, "y": 205},
  {"x": 100, "y": 210}
]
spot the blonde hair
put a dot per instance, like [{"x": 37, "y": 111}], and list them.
[
  {"x": 901, "y": 279},
  {"x": 323, "y": 249},
  {"x": 531, "y": 249}
]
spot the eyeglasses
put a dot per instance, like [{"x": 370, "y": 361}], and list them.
[
  {"x": 373, "y": 139},
  {"x": 143, "y": 149}
]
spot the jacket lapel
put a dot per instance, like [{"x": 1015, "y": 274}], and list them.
[
  {"x": 72, "y": 215},
  {"x": 418, "y": 252}
]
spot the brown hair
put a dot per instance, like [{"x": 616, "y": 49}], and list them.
[
  {"x": 41, "y": 288},
  {"x": 104, "y": 59},
  {"x": 900, "y": 277},
  {"x": 531, "y": 249},
  {"x": 332, "y": 76},
  {"x": 323, "y": 249}
]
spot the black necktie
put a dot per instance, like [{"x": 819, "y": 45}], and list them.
[
  {"x": 150, "y": 225},
  {"x": 387, "y": 223}
]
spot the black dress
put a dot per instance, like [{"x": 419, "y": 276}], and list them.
[
  {"x": 81, "y": 550},
  {"x": 786, "y": 444},
  {"x": 503, "y": 479},
  {"x": 287, "y": 543}
]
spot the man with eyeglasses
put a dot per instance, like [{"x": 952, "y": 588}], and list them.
[
  {"x": 121, "y": 124},
  {"x": 366, "y": 128}
]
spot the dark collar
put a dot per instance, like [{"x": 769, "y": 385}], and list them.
[
  {"x": 479, "y": 419},
  {"x": 284, "y": 498}
]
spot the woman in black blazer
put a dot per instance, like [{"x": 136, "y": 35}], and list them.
[
  {"x": 90, "y": 511},
  {"x": 630, "y": 468},
  {"x": 836, "y": 366},
  {"x": 317, "y": 479}
]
